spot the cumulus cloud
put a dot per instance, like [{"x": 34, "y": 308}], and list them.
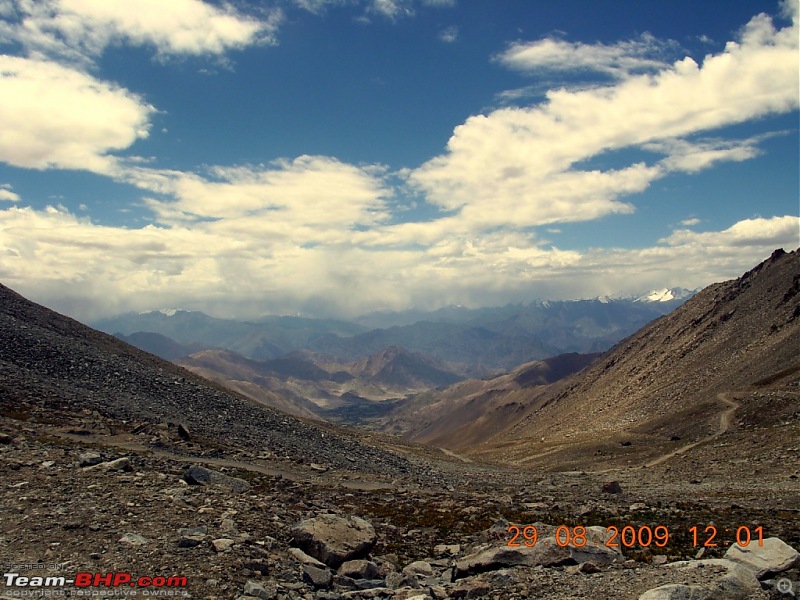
[
  {"x": 757, "y": 232},
  {"x": 55, "y": 116},
  {"x": 106, "y": 270},
  {"x": 311, "y": 199},
  {"x": 618, "y": 60},
  {"x": 7, "y": 195},
  {"x": 521, "y": 166},
  {"x": 318, "y": 235},
  {"x": 84, "y": 28}
]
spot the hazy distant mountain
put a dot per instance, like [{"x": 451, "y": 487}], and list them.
[
  {"x": 474, "y": 342},
  {"x": 397, "y": 367},
  {"x": 302, "y": 387},
  {"x": 504, "y": 337},
  {"x": 267, "y": 338},
  {"x": 158, "y": 344}
]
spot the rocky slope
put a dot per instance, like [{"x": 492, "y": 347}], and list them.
[
  {"x": 727, "y": 359},
  {"x": 51, "y": 361}
]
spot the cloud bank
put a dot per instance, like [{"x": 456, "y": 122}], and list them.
[{"x": 317, "y": 235}]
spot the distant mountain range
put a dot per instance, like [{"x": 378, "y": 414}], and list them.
[
  {"x": 732, "y": 349},
  {"x": 307, "y": 385},
  {"x": 474, "y": 342}
]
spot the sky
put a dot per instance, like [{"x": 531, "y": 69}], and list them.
[{"x": 336, "y": 157}]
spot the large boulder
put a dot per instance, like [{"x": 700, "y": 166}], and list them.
[
  {"x": 333, "y": 539},
  {"x": 546, "y": 552},
  {"x": 717, "y": 578},
  {"x": 772, "y": 557}
]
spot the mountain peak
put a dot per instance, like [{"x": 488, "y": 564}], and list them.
[
  {"x": 167, "y": 312},
  {"x": 665, "y": 295}
]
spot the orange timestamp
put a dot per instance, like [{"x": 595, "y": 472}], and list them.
[{"x": 630, "y": 536}]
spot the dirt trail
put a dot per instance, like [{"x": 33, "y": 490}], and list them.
[
  {"x": 322, "y": 478},
  {"x": 452, "y": 454},
  {"x": 725, "y": 419}
]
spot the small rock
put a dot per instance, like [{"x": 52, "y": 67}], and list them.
[
  {"x": 257, "y": 566},
  {"x": 588, "y": 567},
  {"x": 256, "y": 590},
  {"x": 612, "y": 487},
  {"x": 471, "y": 589},
  {"x": 183, "y": 432},
  {"x": 134, "y": 539},
  {"x": 305, "y": 559},
  {"x": 319, "y": 578},
  {"x": 5, "y": 439},
  {"x": 359, "y": 569},
  {"x": 419, "y": 568},
  {"x": 447, "y": 549},
  {"x": 191, "y": 536},
  {"x": 120, "y": 464},
  {"x": 197, "y": 475},
  {"x": 222, "y": 544},
  {"x": 333, "y": 539},
  {"x": 89, "y": 459}
]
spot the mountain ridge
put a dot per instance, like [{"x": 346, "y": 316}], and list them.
[{"x": 665, "y": 380}]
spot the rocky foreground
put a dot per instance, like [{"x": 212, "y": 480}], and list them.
[{"x": 89, "y": 495}]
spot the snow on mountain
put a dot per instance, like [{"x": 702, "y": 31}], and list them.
[
  {"x": 665, "y": 295},
  {"x": 167, "y": 312}
]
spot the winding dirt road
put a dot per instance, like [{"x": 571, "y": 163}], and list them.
[{"x": 725, "y": 419}]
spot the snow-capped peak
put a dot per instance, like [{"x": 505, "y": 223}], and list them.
[
  {"x": 664, "y": 295},
  {"x": 167, "y": 312}
]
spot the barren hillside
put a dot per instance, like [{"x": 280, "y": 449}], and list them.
[{"x": 734, "y": 345}]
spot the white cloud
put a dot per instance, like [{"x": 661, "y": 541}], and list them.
[
  {"x": 321, "y": 236},
  {"x": 84, "y": 28},
  {"x": 692, "y": 157},
  {"x": 89, "y": 270},
  {"x": 618, "y": 60},
  {"x": 308, "y": 199},
  {"x": 392, "y": 8},
  {"x": 449, "y": 35},
  {"x": 520, "y": 167},
  {"x": 749, "y": 233},
  {"x": 318, "y": 6},
  {"x": 7, "y": 195},
  {"x": 54, "y": 116},
  {"x": 690, "y": 222}
]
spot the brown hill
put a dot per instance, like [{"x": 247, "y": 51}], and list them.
[
  {"x": 399, "y": 368},
  {"x": 471, "y": 412},
  {"x": 306, "y": 385},
  {"x": 726, "y": 360}
]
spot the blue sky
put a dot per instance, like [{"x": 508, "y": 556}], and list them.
[{"x": 333, "y": 157}]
